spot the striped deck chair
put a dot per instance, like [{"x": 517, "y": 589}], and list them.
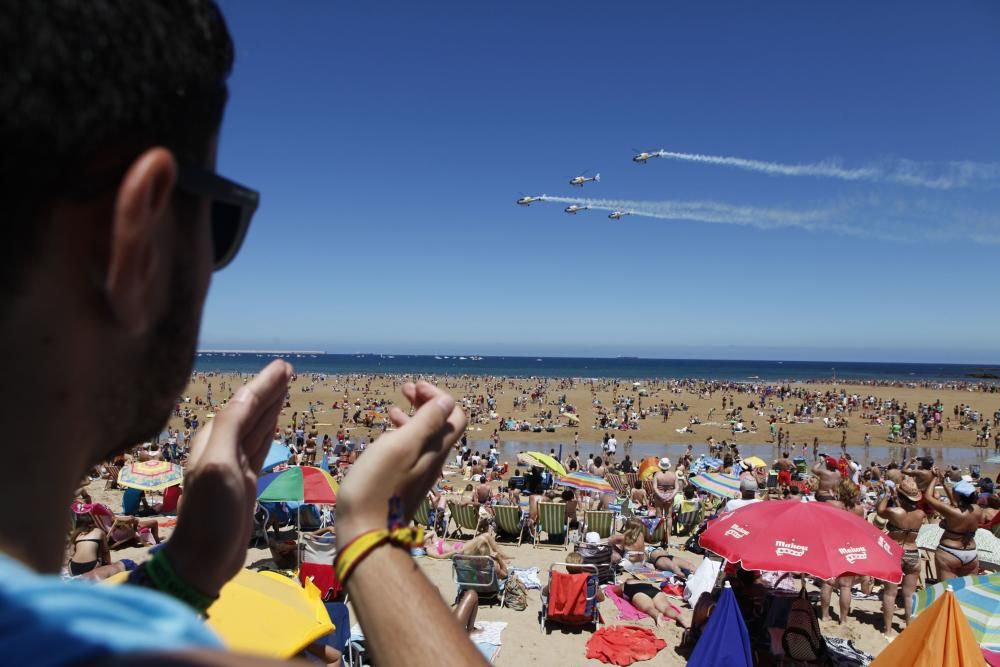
[
  {"x": 479, "y": 574},
  {"x": 600, "y": 522},
  {"x": 631, "y": 478},
  {"x": 510, "y": 521},
  {"x": 465, "y": 517},
  {"x": 650, "y": 491},
  {"x": 688, "y": 517},
  {"x": 618, "y": 483},
  {"x": 553, "y": 522},
  {"x": 658, "y": 534},
  {"x": 422, "y": 517},
  {"x": 112, "y": 472}
]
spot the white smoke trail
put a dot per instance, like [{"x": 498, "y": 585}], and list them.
[
  {"x": 946, "y": 176},
  {"x": 863, "y": 217}
]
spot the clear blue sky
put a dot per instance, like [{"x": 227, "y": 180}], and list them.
[{"x": 389, "y": 141}]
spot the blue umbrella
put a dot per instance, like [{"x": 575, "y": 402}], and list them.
[
  {"x": 724, "y": 641},
  {"x": 277, "y": 455}
]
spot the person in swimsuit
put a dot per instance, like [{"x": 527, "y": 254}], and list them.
[
  {"x": 90, "y": 546},
  {"x": 849, "y": 500},
  {"x": 484, "y": 544},
  {"x": 664, "y": 490},
  {"x": 956, "y": 554},
  {"x": 903, "y": 525},
  {"x": 828, "y": 474},
  {"x": 663, "y": 561},
  {"x": 630, "y": 544},
  {"x": 638, "y": 496},
  {"x": 650, "y": 600}
]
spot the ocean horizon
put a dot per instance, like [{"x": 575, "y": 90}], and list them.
[{"x": 596, "y": 367}]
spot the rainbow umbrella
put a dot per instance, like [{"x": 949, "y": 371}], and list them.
[
  {"x": 582, "y": 481},
  {"x": 979, "y": 598},
  {"x": 150, "y": 475},
  {"x": 718, "y": 484},
  {"x": 544, "y": 460},
  {"x": 301, "y": 484},
  {"x": 649, "y": 467}
]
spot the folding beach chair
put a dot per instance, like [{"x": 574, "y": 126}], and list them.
[
  {"x": 598, "y": 555},
  {"x": 553, "y": 522},
  {"x": 631, "y": 478},
  {"x": 618, "y": 483},
  {"x": 261, "y": 519},
  {"x": 479, "y": 574},
  {"x": 316, "y": 557},
  {"x": 112, "y": 472},
  {"x": 571, "y": 598},
  {"x": 600, "y": 522},
  {"x": 688, "y": 517},
  {"x": 650, "y": 491},
  {"x": 424, "y": 514},
  {"x": 510, "y": 521},
  {"x": 657, "y": 534},
  {"x": 465, "y": 517}
]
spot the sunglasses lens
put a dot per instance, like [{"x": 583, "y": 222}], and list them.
[{"x": 225, "y": 231}]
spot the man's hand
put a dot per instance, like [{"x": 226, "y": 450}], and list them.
[
  {"x": 405, "y": 462},
  {"x": 220, "y": 483}
]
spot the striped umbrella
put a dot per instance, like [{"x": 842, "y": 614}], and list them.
[
  {"x": 718, "y": 484},
  {"x": 300, "y": 484},
  {"x": 150, "y": 475},
  {"x": 979, "y": 598},
  {"x": 582, "y": 481}
]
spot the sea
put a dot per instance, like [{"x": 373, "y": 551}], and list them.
[{"x": 632, "y": 368}]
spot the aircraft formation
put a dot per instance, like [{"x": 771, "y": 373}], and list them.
[{"x": 640, "y": 157}]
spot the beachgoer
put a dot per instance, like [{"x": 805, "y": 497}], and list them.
[
  {"x": 650, "y": 600},
  {"x": 903, "y": 524},
  {"x": 664, "y": 490},
  {"x": 956, "y": 554},
  {"x": 828, "y": 473},
  {"x": 630, "y": 543}
]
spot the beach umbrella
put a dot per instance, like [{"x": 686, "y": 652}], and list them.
[
  {"x": 987, "y": 544},
  {"x": 582, "y": 481},
  {"x": 755, "y": 462},
  {"x": 649, "y": 467},
  {"x": 543, "y": 460},
  {"x": 276, "y": 455},
  {"x": 264, "y": 613},
  {"x": 718, "y": 484},
  {"x": 724, "y": 640},
  {"x": 939, "y": 637},
  {"x": 979, "y": 598},
  {"x": 571, "y": 417},
  {"x": 794, "y": 536},
  {"x": 150, "y": 475},
  {"x": 302, "y": 484}
]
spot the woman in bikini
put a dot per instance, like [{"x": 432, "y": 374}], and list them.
[
  {"x": 484, "y": 544},
  {"x": 956, "y": 554},
  {"x": 630, "y": 544},
  {"x": 903, "y": 525},
  {"x": 90, "y": 546},
  {"x": 650, "y": 600}
]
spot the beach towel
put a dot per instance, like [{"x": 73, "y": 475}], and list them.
[
  {"x": 843, "y": 653},
  {"x": 624, "y": 644},
  {"x": 702, "y": 581},
  {"x": 528, "y": 576},
  {"x": 568, "y": 596},
  {"x": 489, "y": 651},
  {"x": 626, "y": 612}
]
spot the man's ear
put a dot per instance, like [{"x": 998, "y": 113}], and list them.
[{"x": 135, "y": 256}]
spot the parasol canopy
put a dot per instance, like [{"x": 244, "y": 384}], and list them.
[
  {"x": 939, "y": 637},
  {"x": 151, "y": 475},
  {"x": 543, "y": 460},
  {"x": 301, "y": 484},
  {"x": 755, "y": 462},
  {"x": 717, "y": 484},
  {"x": 276, "y": 455},
  {"x": 979, "y": 598},
  {"x": 582, "y": 481},
  {"x": 782, "y": 535},
  {"x": 649, "y": 467}
]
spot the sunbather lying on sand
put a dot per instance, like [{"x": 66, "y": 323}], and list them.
[{"x": 649, "y": 599}]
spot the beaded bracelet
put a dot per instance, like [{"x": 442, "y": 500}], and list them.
[{"x": 157, "y": 573}]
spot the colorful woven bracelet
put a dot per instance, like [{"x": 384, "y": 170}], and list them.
[
  {"x": 164, "y": 578},
  {"x": 358, "y": 549}
]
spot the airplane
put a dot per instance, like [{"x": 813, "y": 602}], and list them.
[
  {"x": 580, "y": 180},
  {"x": 575, "y": 208},
  {"x": 618, "y": 215},
  {"x": 528, "y": 200},
  {"x": 643, "y": 157}
]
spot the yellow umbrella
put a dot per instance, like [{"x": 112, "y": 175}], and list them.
[
  {"x": 755, "y": 462},
  {"x": 265, "y": 613},
  {"x": 546, "y": 461}
]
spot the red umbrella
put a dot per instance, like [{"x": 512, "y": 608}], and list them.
[{"x": 795, "y": 536}]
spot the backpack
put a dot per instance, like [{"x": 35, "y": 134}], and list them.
[{"x": 515, "y": 595}]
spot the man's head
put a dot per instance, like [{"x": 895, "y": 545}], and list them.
[
  {"x": 108, "y": 122},
  {"x": 926, "y": 462},
  {"x": 748, "y": 487}
]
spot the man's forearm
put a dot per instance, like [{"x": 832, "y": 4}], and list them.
[{"x": 403, "y": 616}]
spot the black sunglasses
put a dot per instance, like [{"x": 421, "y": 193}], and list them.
[{"x": 233, "y": 206}]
